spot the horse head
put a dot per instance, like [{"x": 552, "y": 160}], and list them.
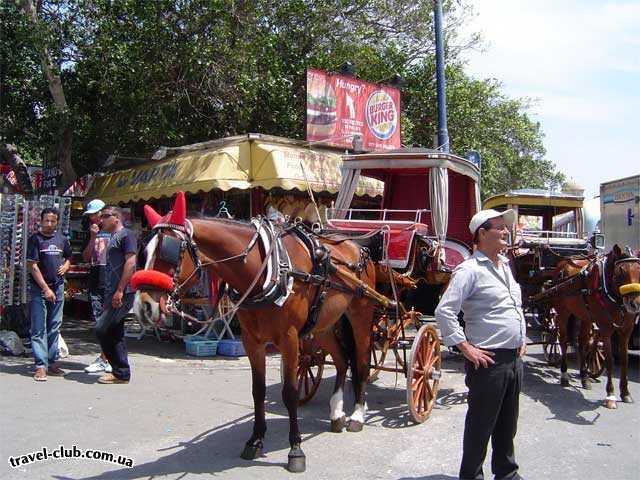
[
  {"x": 625, "y": 278},
  {"x": 172, "y": 260}
]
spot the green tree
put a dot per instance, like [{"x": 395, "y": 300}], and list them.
[{"x": 137, "y": 75}]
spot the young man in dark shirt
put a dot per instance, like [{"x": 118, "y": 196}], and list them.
[
  {"x": 118, "y": 300},
  {"x": 48, "y": 253},
  {"x": 95, "y": 253}
]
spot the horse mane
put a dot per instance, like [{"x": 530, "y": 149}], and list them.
[{"x": 228, "y": 221}]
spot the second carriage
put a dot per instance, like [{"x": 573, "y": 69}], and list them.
[{"x": 551, "y": 227}]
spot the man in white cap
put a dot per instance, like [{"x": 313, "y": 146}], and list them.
[
  {"x": 95, "y": 252},
  {"x": 492, "y": 341}
]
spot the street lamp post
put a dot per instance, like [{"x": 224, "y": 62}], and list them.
[{"x": 443, "y": 134}]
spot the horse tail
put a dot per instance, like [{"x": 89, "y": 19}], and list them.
[{"x": 348, "y": 343}]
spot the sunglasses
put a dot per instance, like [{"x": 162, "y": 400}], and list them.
[{"x": 106, "y": 215}]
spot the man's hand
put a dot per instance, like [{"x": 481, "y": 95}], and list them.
[
  {"x": 62, "y": 269},
  {"x": 49, "y": 295},
  {"x": 116, "y": 301},
  {"x": 94, "y": 229},
  {"x": 522, "y": 350},
  {"x": 476, "y": 355}
]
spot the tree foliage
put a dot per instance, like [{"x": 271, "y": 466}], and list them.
[{"x": 137, "y": 75}]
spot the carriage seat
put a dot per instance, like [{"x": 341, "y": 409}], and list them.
[{"x": 401, "y": 235}]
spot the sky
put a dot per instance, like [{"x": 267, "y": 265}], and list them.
[{"x": 580, "y": 61}]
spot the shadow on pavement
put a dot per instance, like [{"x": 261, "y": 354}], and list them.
[
  {"x": 215, "y": 450},
  {"x": 431, "y": 477}
]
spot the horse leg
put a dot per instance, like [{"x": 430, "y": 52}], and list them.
[
  {"x": 624, "y": 361},
  {"x": 289, "y": 350},
  {"x": 563, "y": 321},
  {"x": 360, "y": 319},
  {"x": 584, "y": 344},
  {"x": 610, "y": 400},
  {"x": 329, "y": 342},
  {"x": 256, "y": 353}
]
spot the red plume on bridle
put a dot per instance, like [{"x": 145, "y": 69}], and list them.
[
  {"x": 179, "y": 211},
  {"x": 153, "y": 217}
]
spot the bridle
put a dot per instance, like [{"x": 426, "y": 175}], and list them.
[{"x": 172, "y": 252}]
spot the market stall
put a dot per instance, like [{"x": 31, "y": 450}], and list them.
[{"x": 239, "y": 176}]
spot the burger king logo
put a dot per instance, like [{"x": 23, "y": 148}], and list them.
[{"x": 382, "y": 116}]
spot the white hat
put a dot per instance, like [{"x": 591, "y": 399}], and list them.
[
  {"x": 484, "y": 215},
  {"x": 94, "y": 206}
]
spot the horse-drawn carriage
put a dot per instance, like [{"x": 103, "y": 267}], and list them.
[
  {"x": 549, "y": 229},
  {"x": 372, "y": 273},
  {"x": 417, "y": 237},
  {"x": 570, "y": 289}
]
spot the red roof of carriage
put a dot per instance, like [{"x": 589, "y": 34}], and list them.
[{"x": 409, "y": 161}]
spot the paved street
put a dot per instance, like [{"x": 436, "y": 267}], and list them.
[{"x": 182, "y": 417}]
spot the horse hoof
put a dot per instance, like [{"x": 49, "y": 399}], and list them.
[
  {"x": 564, "y": 382},
  {"x": 252, "y": 451},
  {"x": 338, "y": 425},
  {"x": 627, "y": 399},
  {"x": 611, "y": 404},
  {"x": 586, "y": 384},
  {"x": 297, "y": 461},
  {"x": 354, "y": 426}
]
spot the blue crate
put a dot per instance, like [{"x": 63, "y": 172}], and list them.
[
  {"x": 231, "y": 348},
  {"x": 200, "y": 346}
]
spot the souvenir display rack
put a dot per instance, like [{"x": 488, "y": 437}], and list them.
[{"x": 19, "y": 218}]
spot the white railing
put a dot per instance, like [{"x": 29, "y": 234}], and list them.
[
  {"x": 547, "y": 234},
  {"x": 372, "y": 214}
]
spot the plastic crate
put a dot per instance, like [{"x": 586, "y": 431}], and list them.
[
  {"x": 200, "y": 346},
  {"x": 231, "y": 348}
]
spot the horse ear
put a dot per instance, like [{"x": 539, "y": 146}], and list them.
[
  {"x": 152, "y": 216},
  {"x": 179, "y": 211}
]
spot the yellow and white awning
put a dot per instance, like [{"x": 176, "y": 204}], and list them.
[{"x": 243, "y": 162}]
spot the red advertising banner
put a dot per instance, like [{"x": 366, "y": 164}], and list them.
[{"x": 340, "y": 107}]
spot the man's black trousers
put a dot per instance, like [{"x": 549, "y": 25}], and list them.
[{"x": 493, "y": 413}]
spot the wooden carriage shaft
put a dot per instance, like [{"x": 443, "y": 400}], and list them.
[{"x": 368, "y": 291}]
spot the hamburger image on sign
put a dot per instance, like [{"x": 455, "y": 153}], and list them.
[{"x": 321, "y": 108}]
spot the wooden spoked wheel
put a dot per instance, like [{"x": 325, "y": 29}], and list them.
[
  {"x": 310, "y": 368},
  {"x": 379, "y": 347},
  {"x": 551, "y": 343},
  {"x": 595, "y": 358},
  {"x": 424, "y": 372}
]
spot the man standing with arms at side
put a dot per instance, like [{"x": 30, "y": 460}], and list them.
[
  {"x": 48, "y": 254},
  {"x": 95, "y": 253},
  {"x": 493, "y": 342},
  {"x": 118, "y": 300}
]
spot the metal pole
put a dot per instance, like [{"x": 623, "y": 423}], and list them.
[{"x": 443, "y": 134}]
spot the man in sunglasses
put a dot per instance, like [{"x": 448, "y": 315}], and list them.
[
  {"x": 118, "y": 300},
  {"x": 492, "y": 341},
  {"x": 95, "y": 253}
]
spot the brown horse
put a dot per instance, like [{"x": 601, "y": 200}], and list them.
[
  {"x": 236, "y": 256},
  {"x": 604, "y": 291}
]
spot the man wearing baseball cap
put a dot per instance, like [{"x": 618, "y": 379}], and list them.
[
  {"x": 95, "y": 252},
  {"x": 492, "y": 341}
]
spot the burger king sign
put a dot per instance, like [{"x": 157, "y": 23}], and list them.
[
  {"x": 341, "y": 107},
  {"x": 382, "y": 116}
]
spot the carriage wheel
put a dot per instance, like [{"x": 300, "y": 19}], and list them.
[
  {"x": 551, "y": 343},
  {"x": 595, "y": 356},
  {"x": 423, "y": 375},
  {"x": 310, "y": 368}
]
